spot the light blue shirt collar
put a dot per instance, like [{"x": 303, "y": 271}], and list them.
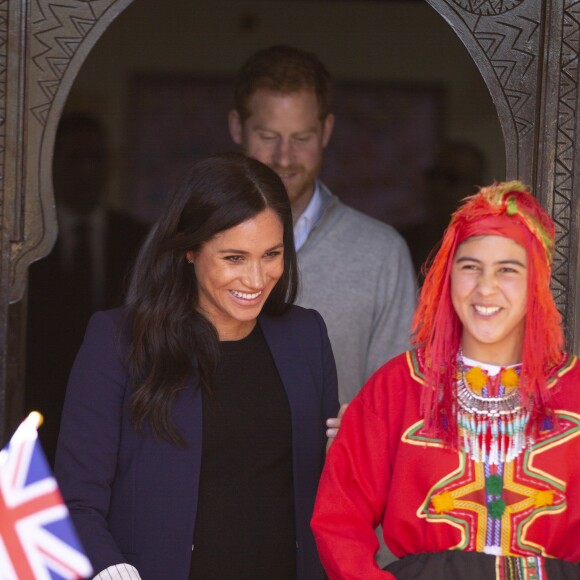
[{"x": 307, "y": 220}]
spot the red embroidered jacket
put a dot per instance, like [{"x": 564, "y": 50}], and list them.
[{"x": 383, "y": 469}]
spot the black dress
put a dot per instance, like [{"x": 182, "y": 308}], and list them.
[{"x": 245, "y": 524}]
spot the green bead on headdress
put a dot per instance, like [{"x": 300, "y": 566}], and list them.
[
  {"x": 502, "y": 195},
  {"x": 510, "y": 199}
]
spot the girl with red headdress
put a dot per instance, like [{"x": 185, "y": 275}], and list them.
[{"x": 466, "y": 448}]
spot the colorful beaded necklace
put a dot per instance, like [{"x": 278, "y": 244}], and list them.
[{"x": 491, "y": 418}]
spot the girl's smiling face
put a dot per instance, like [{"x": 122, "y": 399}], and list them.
[{"x": 489, "y": 281}]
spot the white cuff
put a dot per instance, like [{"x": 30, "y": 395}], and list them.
[{"x": 119, "y": 572}]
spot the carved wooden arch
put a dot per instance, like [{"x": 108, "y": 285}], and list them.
[
  {"x": 60, "y": 38},
  {"x": 527, "y": 52}
]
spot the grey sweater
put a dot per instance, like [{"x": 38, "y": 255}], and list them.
[{"x": 357, "y": 272}]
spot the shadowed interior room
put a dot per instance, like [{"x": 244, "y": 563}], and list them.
[
  {"x": 404, "y": 83},
  {"x": 411, "y": 76},
  {"x": 165, "y": 104}
]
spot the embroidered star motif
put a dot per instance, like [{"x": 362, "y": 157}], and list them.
[{"x": 530, "y": 492}]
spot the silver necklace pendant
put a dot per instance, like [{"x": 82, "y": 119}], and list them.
[{"x": 491, "y": 429}]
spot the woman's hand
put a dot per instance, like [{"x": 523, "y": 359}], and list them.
[{"x": 333, "y": 425}]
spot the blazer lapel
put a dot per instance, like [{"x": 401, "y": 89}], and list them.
[{"x": 283, "y": 348}]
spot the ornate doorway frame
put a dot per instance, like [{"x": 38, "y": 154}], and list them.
[{"x": 526, "y": 50}]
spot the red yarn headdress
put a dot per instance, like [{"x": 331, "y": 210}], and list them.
[{"x": 508, "y": 210}]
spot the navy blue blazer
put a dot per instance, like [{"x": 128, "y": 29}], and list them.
[{"x": 133, "y": 497}]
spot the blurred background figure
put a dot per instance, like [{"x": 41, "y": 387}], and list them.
[
  {"x": 459, "y": 167},
  {"x": 86, "y": 270}
]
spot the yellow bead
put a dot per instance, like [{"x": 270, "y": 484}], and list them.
[
  {"x": 510, "y": 378},
  {"x": 476, "y": 379},
  {"x": 544, "y": 498},
  {"x": 443, "y": 502}
]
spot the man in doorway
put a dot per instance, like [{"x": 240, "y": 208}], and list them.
[{"x": 356, "y": 271}]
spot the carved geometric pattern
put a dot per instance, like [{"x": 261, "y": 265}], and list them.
[
  {"x": 512, "y": 55},
  {"x": 3, "y": 77},
  {"x": 510, "y": 39},
  {"x": 58, "y": 32},
  {"x": 566, "y": 151},
  {"x": 54, "y": 35},
  {"x": 4, "y": 250},
  {"x": 488, "y": 7},
  {"x": 511, "y": 46}
]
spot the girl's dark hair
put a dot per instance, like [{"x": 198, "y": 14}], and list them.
[{"x": 167, "y": 332}]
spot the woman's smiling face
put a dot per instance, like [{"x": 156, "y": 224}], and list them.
[
  {"x": 236, "y": 271},
  {"x": 489, "y": 281}
]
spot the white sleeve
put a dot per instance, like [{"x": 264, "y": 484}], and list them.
[{"x": 119, "y": 572}]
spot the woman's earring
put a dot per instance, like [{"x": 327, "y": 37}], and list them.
[{"x": 190, "y": 260}]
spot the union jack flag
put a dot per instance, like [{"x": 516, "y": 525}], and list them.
[{"x": 37, "y": 538}]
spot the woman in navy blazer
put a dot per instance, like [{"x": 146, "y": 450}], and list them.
[{"x": 219, "y": 266}]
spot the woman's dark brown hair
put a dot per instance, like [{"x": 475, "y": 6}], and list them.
[{"x": 168, "y": 336}]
